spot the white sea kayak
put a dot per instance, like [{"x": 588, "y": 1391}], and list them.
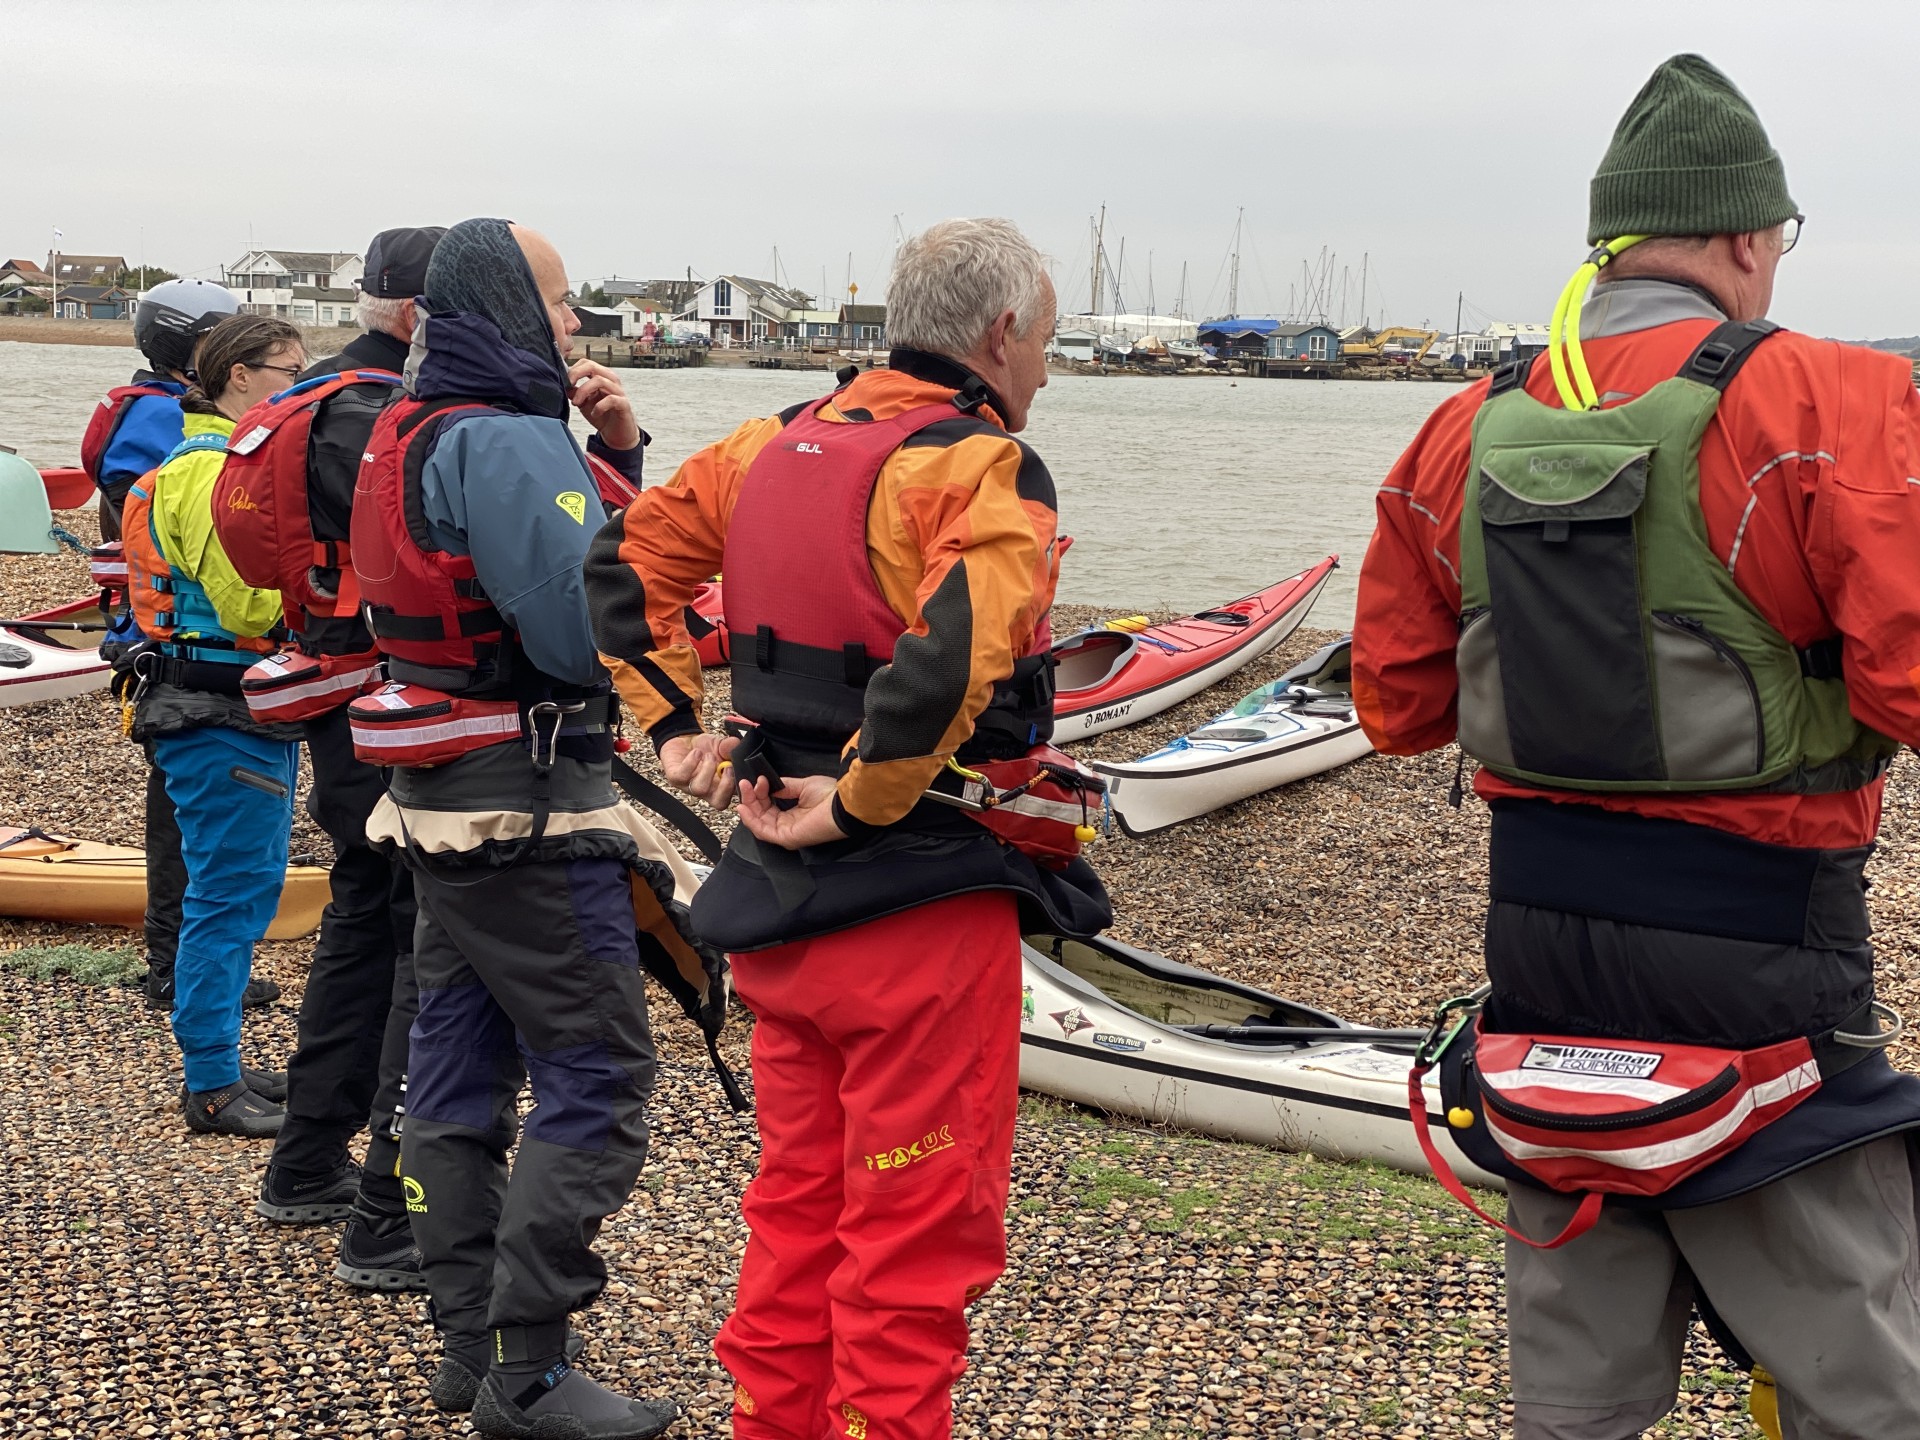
[
  {"x": 1299, "y": 725},
  {"x": 1119, "y": 1029},
  {"x": 49, "y": 663}
]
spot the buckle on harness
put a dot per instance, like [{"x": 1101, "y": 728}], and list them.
[
  {"x": 556, "y": 713},
  {"x": 1448, "y": 1021}
]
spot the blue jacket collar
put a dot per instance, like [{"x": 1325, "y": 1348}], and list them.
[{"x": 463, "y": 354}]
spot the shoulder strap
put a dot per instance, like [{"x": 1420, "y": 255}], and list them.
[
  {"x": 1718, "y": 358},
  {"x": 196, "y": 442}
]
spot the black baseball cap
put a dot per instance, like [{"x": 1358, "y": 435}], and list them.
[{"x": 397, "y": 262}]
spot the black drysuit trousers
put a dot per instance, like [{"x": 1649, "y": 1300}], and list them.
[
  {"x": 348, "y": 1069},
  {"x": 526, "y": 973}
]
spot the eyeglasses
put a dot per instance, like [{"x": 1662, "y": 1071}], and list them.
[
  {"x": 1790, "y": 232},
  {"x": 292, "y": 370}
]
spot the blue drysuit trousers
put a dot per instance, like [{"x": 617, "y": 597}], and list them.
[{"x": 233, "y": 793}]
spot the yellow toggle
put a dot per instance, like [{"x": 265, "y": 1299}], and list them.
[
  {"x": 1763, "y": 1403},
  {"x": 1460, "y": 1118},
  {"x": 1085, "y": 834}
]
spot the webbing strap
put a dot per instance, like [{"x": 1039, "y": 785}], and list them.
[{"x": 1584, "y": 1218}]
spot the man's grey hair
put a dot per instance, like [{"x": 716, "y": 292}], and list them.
[
  {"x": 379, "y": 314},
  {"x": 954, "y": 279}
]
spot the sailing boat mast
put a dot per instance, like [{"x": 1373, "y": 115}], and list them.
[
  {"x": 1099, "y": 260},
  {"x": 1363, "y": 288},
  {"x": 1180, "y": 300},
  {"x": 1233, "y": 271}
]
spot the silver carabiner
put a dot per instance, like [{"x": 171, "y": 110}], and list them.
[
  {"x": 554, "y": 710},
  {"x": 1879, "y": 1039}
]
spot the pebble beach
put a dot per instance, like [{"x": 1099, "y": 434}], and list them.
[{"x": 1160, "y": 1284}]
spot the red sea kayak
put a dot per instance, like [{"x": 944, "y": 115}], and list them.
[
  {"x": 67, "y": 489},
  {"x": 50, "y": 664},
  {"x": 1119, "y": 675}
]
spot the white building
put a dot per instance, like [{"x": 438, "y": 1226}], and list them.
[
  {"x": 309, "y": 287},
  {"x": 741, "y": 310},
  {"x": 1075, "y": 344}
]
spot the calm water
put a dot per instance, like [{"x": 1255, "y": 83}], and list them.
[{"x": 1179, "y": 493}]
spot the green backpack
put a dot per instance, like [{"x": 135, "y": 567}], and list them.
[{"x": 1603, "y": 645}]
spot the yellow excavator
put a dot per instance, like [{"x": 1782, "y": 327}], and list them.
[{"x": 1374, "y": 350}]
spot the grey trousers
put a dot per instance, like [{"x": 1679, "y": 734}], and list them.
[{"x": 1817, "y": 1275}]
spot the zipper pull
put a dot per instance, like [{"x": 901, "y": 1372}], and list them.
[{"x": 1457, "y": 791}]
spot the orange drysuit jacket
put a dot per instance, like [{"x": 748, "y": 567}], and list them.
[
  {"x": 1808, "y": 483},
  {"x": 984, "y": 503}
]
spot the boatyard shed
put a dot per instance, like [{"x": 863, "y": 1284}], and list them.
[
  {"x": 1237, "y": 335},
  {"x": 598, "y": 321},
  {"x": 1075, "y": 344},
  {"x": 1304, "y": 342}
]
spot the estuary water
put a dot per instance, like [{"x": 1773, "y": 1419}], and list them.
[{"x": 1179, "y": 493}]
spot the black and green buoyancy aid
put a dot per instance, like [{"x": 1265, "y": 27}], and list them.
[{"x": 1603, "y": 645}]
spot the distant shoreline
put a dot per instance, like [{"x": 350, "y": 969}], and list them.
[{"x": 38, "y": 330}]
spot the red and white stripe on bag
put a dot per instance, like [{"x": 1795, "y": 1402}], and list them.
[
  {"x": 415, "y": 726},
  {"x": 107, "y": 564},
  {"x": 1044, "y": 803},
  {"x": 1627, "y": 1118},
  {"x": 290, "y": 685}
]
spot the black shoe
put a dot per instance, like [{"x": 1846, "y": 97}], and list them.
[
  {"x": 377, "y": 1253},
  {"x": 267, "y": 1084},
  {"x": 563, "y": 1404},
  {"x": 236, "y": 1110},
  {"x": 159, "y": 988},
  {"x": 290, "y": 1199},
  {"x": 456, "y": 1384}
]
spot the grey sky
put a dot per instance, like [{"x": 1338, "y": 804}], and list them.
[{"x": 1451, "y": 143}]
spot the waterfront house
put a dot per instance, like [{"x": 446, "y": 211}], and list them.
[
  {"x": 815, "y": 329},
  {"x": 23, "y": 272},
  {"x": 87, "y": 269},
  {"x": 673, "y": 296},
  {"x": 864, "y": 327},
  {"x": 1075, "y": 344},
  {"x": 264, "y": 282},
  {"x": 93, "y": 302},
  {"x": 741, "y": 310},
  {"x": 1316, "y": 342}
]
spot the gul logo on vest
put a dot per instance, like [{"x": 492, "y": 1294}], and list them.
[
  {"x": 1592, "y": 1060},
  {"x": 803, "y": 447},
  {"x": 574, "y": 503},
  {"x": 901, "y": 1156},
  {"x": 415, "y": 1193}
]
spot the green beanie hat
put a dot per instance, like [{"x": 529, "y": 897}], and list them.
[{"x": 1688, "y": 158}]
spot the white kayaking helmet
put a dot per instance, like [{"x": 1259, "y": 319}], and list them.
[{"x": 174, "y": 315}]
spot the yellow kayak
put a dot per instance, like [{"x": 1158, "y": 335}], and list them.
[{"x": 49, "y": 877}]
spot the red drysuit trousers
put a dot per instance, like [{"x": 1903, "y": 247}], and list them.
[{"x": 886, "y": 1069}]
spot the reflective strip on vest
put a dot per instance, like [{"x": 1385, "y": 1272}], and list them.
[{"x": 406, "y": 737}]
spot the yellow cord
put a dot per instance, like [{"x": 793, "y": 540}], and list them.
[{"x": 1570, "y": 374}]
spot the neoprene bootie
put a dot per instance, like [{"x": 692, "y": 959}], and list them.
[
  {"x": 456, "y": 1384},
  {"x": 377, "y": 1250},
  {"x": 533, "y": 1391}
]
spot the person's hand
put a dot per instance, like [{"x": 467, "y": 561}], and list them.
[
  {"x": 697, "y": 765},
  {"x": 810, "y": 822},
  {"x": 600, "y": 397}
]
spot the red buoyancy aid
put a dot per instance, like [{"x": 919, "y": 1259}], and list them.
[
  {"x": 425, "y": 606},
  {"x": 165, "y": 602},
  {"x": 260, "y": 506},
  {"x": 808, "y": 622},
  {"x": 105, "y": 421}
]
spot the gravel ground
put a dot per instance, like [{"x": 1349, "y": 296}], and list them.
[{"x": 1159, "y": 1284}]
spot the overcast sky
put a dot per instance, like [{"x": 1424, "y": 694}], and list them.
[{"x": 1451, "y": 144}]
